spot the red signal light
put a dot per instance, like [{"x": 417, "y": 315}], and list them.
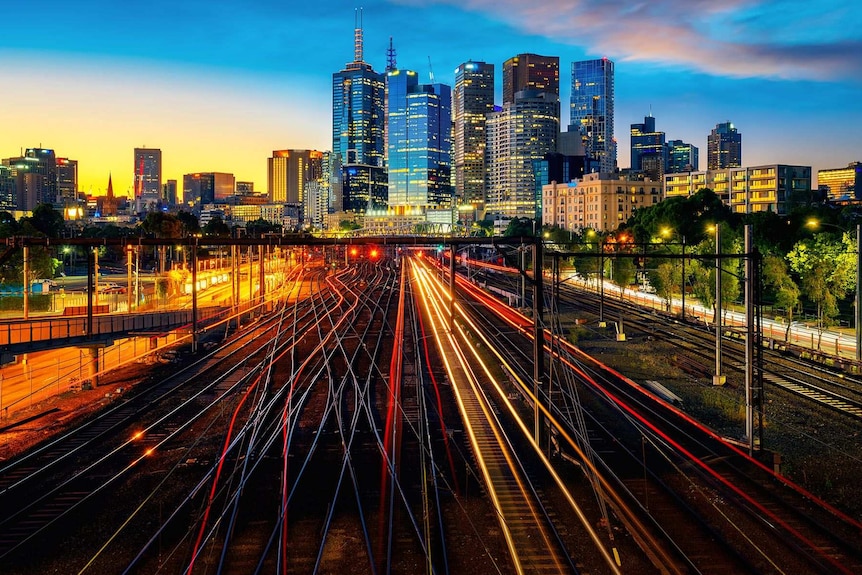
[{"x": 374, "y": 252}]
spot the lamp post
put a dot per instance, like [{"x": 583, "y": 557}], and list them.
[{"x": 858, "y": 303}]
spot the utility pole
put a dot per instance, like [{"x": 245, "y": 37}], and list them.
[
  {"x": 718, "y": 378},
  {"x": 749, "y": 340}
]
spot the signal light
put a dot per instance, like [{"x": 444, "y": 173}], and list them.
[{"x": 373, "y": 252}]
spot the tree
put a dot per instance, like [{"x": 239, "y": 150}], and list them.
[
  {"x": 687, "y": 215},
  {"x": 216, "y": 227},
  {"x": 826, "y": 269},
  {"x": 783, "y": 289},
  {"x": 520, "y": 227},
  {"x": 162, "y": 225},
  {"x": 190, "y": 224},
  {"x": 665, "y": 279},
  {"x": 260, "y": 226},
  {"x": 47, "y": 221},
  {"x": 702, "y": 272},
  {"x": 348, "y": 225}
]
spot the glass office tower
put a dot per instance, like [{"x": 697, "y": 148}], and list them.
[
  {"x": 419, "y": 142},
  {"x": 358, "y": 133},
  {"x": 723, "y": 147},
  {"x": 472, "y": 100},
  {"x": 592, "y": 110},
  {"x": 648, "y": 149}
]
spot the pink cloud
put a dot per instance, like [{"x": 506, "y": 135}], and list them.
[{"x": 720, "y": 38}]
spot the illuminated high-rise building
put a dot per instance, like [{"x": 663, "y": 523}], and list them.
[
  {"x": 519, "y": 135},
  {"x": 204, "y": 188},
  {"x": 419, "y": 140},
  {"x": 842, "y": 183},
  {"x": 682, "y": 157},
  {"x": 169, "y": 193},
  {"x": 648, "y": 149},
  {"x": 472, "y": 100},
  {"x": 288, "y": 173},
  {"x": 358, "y": 131},
  {"x": 35, "y": 178},
  {"x": 723, "y": 147},
  {"x": 7, "y": 189},
  {"x": 67, "y": 180},
  {"x": 592, "y": 110},
  {"x": 530, "y": 72},
  {"x": 318, "y": 192},
  {"x": 148, "y": 178}
]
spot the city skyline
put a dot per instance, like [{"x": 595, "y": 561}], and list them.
[{"x": 95, "y": 95}]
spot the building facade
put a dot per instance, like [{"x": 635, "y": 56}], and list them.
[
  {"x": 419, "y": 143},
  {"x": 522, "y": 133},
  {"x": 771, "y": 188},
  {"x": 723, "y": 147},
  {"x": 592, "y": 110},
  {"x": 842, "y": 183},
  {"x": 598, "y": 201},
  {"x": 472, "y": 100}
]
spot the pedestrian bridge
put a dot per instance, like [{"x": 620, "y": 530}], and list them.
[{"x": 19, "y": 336}]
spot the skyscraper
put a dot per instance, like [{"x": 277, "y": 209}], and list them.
[
  {"x": 530, "y": 72},
  {"x": 7, "y": 188},
  {"x": 148, "y": 178},
  {"x": 419, "y": 142},
  {"x": 358, "y": 131},
  {"x": 592, "y": 110},
  {"x": 473, "y": 99},
  {"x": 288, "y": 173},
  {"x": 522, "y": 133},
  {"x": 35, "y": 176},
  {"x": 648, "y": 149},
  {"x": 204, "y": 188},
  {"x": 67, "y": 179},
  {"x": 723, "y": 147},
  {"x": 682, "y": 157},
  {"x": 318, "y": 196}
]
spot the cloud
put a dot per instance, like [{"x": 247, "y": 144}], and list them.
[{"x": 737, "y": 38}]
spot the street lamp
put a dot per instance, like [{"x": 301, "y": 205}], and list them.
[{"x": 858, "y": 305}]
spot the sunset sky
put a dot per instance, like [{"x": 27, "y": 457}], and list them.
[{"x": 218, "y": 85}]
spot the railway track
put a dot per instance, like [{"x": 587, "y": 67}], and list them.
[{"x": 812, "y": 543}]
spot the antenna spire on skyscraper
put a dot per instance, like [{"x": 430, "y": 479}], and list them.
[
  {"x": 390, "y": 57},
  {"x": 357, "y": 36}
]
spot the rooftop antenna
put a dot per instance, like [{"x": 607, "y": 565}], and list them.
[
  {"x": 357, "y": 35},
  {"x": 430, "y": 70},
  {"x": 390, "y": 57}
]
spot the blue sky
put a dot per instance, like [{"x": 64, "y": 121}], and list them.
[{"x": 218, "y": 85}]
